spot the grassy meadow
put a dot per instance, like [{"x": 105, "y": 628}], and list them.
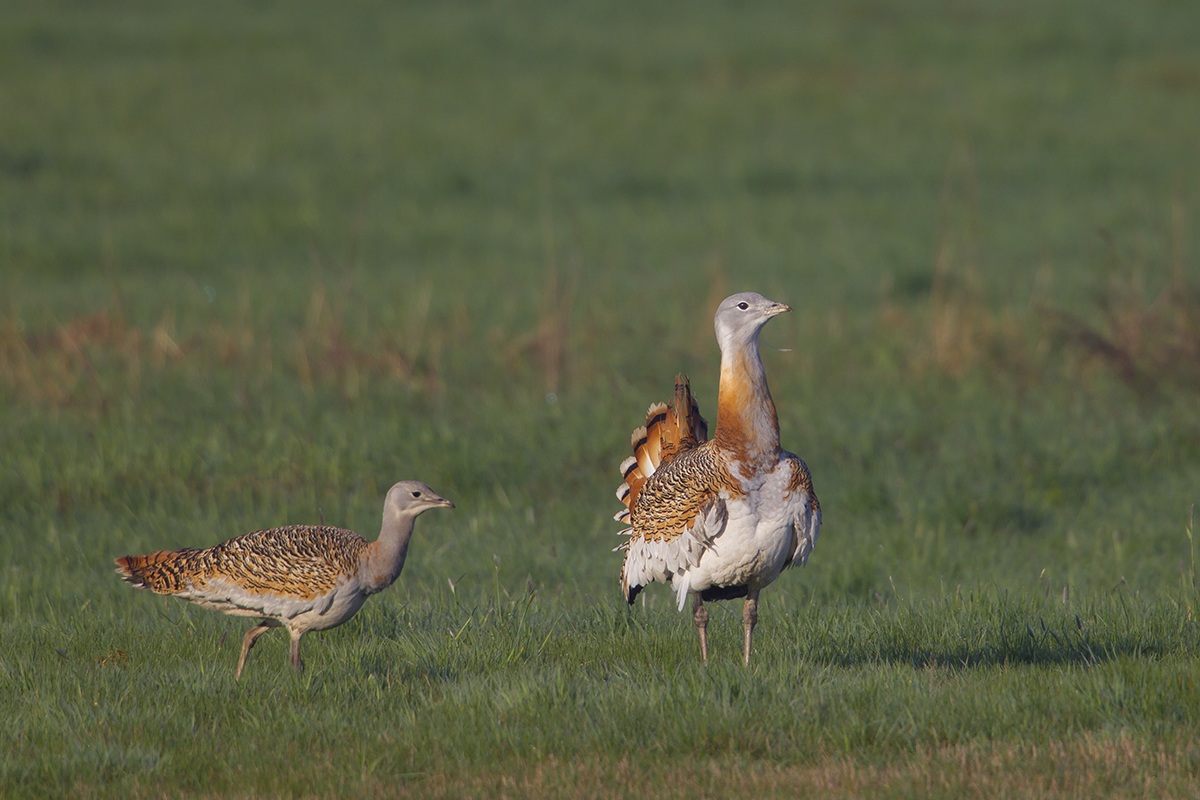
[{"x": 258, "y": 261}]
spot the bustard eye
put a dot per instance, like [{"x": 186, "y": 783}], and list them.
[
  {"x": 416, "y": 494},
  {"x": 743, "y": 306}
]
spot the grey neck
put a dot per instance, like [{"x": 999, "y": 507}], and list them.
[{"x": 386, "y": 556}]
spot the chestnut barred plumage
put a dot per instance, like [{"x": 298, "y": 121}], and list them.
[{"x": 300, "y": 577}]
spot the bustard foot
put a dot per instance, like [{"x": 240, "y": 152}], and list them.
[{"x": 700, "y": 617}]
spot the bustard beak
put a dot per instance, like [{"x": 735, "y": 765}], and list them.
[
  {"x": 443, "y": 502},
  {"x": 779, "y": 308}
]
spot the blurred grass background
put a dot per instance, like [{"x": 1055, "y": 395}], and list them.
[{"x": 261, "y": 260}]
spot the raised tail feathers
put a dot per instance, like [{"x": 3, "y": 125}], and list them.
[{"x": 669, "y": 430}]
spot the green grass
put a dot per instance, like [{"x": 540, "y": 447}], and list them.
[
  {"x": 412, "y": 692},
  {"x": 260, "y": 261}
]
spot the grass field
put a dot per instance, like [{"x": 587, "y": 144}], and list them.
[{"x": 262, "y": 260}]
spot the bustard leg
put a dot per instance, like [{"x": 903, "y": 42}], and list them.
[
  {"x": 248, "y": 642},
  {"x": 750, "y": 619},
  {"x": 294, "y": 652},
  {"x": 700, "y": 617}
]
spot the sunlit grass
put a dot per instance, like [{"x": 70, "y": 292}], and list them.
[{"x": 462, "y": 690}]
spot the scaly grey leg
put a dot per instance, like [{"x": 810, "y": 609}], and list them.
[
  {"x": 700, "y": 617},
  {"x": 294, "y": 652},
  {"x": 750, "y": 619},
  {"x": 248, "y": 642}
]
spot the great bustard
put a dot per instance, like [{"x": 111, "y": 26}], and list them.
[
  {"x": 300, "y": 577},
  {"x": 721, "y": 518}
]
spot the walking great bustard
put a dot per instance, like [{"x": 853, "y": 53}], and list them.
[
  {"x": 301, "y": 577},
  {"x": 721, "y": 518}
]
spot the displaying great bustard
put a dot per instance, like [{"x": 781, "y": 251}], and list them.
[{"x": 718, "y": 518}]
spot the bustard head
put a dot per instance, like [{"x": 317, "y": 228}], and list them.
[
  {"x": 411, "y": 498},
  {"x": 741, "y": 316}
]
